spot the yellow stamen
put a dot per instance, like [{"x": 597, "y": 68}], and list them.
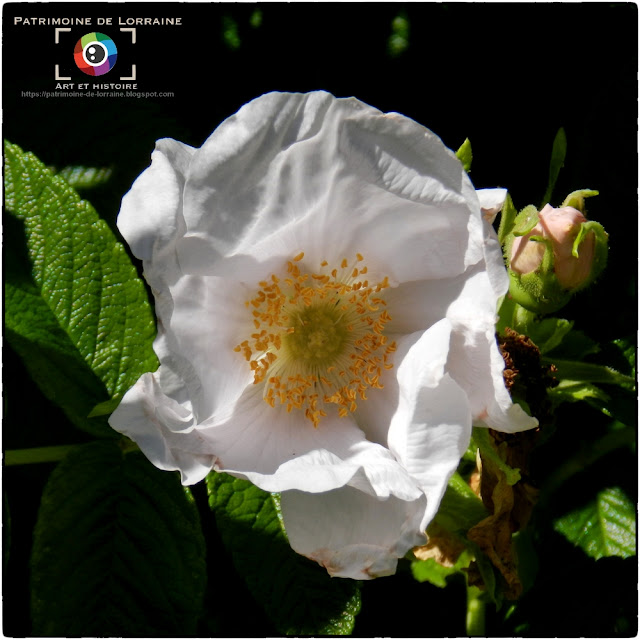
[{"x": 325, "y": 344}]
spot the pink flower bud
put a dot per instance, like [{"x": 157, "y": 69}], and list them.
[{"x": 560, "y": 227}]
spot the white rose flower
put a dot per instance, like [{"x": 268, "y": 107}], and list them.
[{"x": 326, "y": 293}]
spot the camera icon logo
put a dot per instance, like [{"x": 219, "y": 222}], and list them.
[{"x": 95, "y": 54}]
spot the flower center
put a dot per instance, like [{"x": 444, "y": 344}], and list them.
[{"x": 319, "y": 337}]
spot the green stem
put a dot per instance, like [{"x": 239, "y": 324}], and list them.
[
  {"x": 37, "y": 455},
  {"x": 475, "y": 622}
]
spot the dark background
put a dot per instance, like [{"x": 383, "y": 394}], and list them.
[{"x": 506, "y": 76}]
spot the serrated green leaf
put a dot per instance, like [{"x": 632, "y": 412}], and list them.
[
  {"x": 85, "y": 177},
  {"x": 118, "y": 549},
  {"x": 51, "y": 358},
  {"x": 465, "y": 155},
  {"x": 605, "y": 527},
  {"x": 82, "y": 273},
  {"x": 297, "y": 594}
]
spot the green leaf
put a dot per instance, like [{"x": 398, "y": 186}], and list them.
[
  {"x": 558, "y": 154},
  {"x": 82, "y": 273},
  {"x": 118, "y": 549},
  {"x": 575, "y": 391},
  {"x": 48, "y": 353},
  {"x": 605, "y": 527},
  {"x": 549, "y": 333},
  {"x": 460, "y": 508},
  {"x": 105, "y": 408},
  {"x": 437, "y": 574},
  {"x": 85, "y": 177},
  {"x": 589, "y": 372},
  {"x": 297, "y": 594},
  {"x": 464, "y": 155},
  {"x": 575, "y": 345}
]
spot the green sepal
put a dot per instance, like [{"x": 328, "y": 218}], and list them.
[
  {"x": 600, "y": 254},
  {"x": 507, "y": 219},
  {"x": 525, "y": 221},
  {"x": 576, "y": 199}
]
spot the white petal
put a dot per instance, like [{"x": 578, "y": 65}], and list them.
[
  {"x": 431, "y": 427},
  {"x": 207, "y": 320},
  {"x": 491, "y": 202},
  {"x": 419, "y": 304},
  {"x": 352, "y": 534},
  {"x": 229, "y": 198},
  {"x": 475, "y": 362},
  {"x": 162, "y": 428},
  {"x": 279, "y": 451},
  {"x": 150, "y": 215},
  {"x": 425, "y": 416},
  {"x": 330, "y": 178},
  {"x": 494, "y": 263},
  {"x": 375, "y": 414},
  {"x": 429, "y": 434}
]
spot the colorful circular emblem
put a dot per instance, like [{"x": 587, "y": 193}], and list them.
[{"x": 95, "y": 54}]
